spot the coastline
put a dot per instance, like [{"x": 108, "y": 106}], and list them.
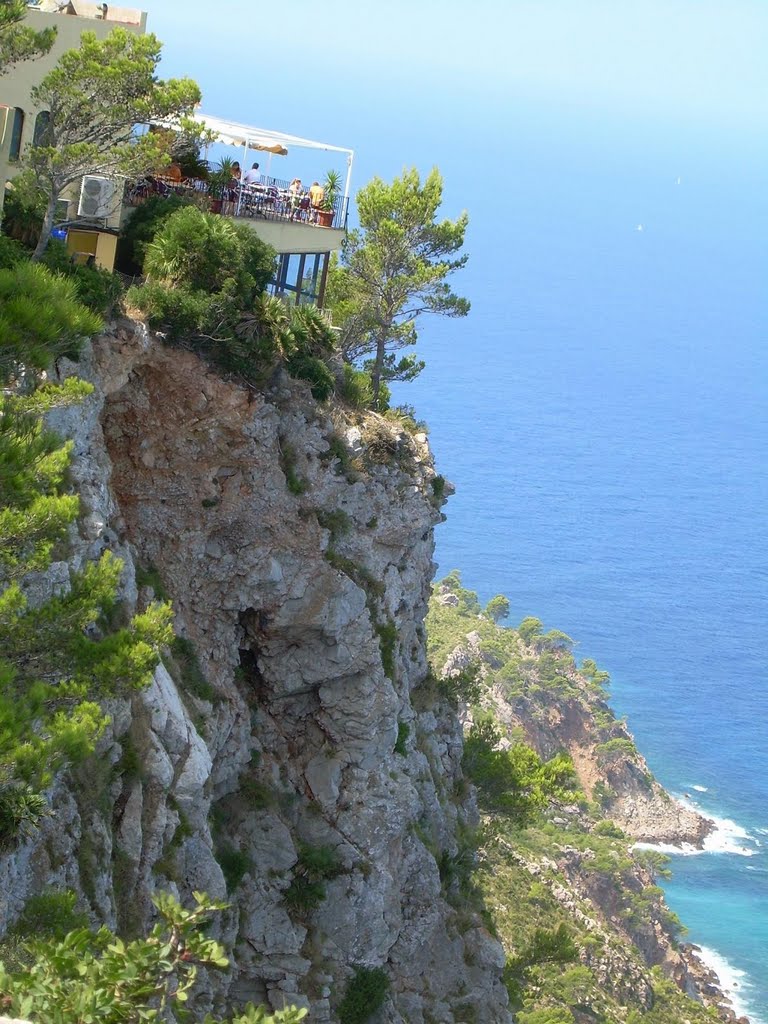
[{"x": 718, "y": 975}]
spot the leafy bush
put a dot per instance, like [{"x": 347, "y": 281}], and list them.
[
  {"x": 11, "y": 252},
  {"x": 144, "y": 223},
  {"x": 316, "y": 865},
  {"x": 463, "y": 685},
  {"x": 201, "y": 252},
  {"x": 546, "y": 946},
  {"x": 182, "y": 313},
  {"x": 97, "y": 288},
  {"x": 514, "y": 781},
  {"x": 357, "y": 387},
  {"x": 387, "y": 634},
  {"x": 529, "y": 629},
  {"x": 313, "y": 370},
  {"x": 192, "y": 676},
  {"x": 365, "y": 994},
  {"x": 21, "y": 811},
  {"x": 403, "y": 732},
  {"x": 497, "y": 608},
  {"x": 124, "y": 981},
  {"x": 234, "y": 863},
  {"x": 616, "y": 748},
  {"x": 50, "y": 914}
]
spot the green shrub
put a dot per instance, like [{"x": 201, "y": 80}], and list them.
[
  {"x": 497, "y": 608},
  {"x": 150, "y": 577},
  {"x": 315, "y": 866},
  {"x": 313, "y": 370},
  {"x": 11, "y": 252},
  {"x": 356, "y": 389},
  {"x": 97, "y": 288},
  {"x": 465, "y": 685},
  {"x": 201, "y": 252},
  {"x": 234, "y": 863},
  {"x": 337, "y": 449},
  {"x": 295, "y": 484},
  {"x": 41, "y": 318},
  {"x": 403, "y": 732},
  {"x": 365, "y": 994},
  {"x": 21, "y": 811},
  {"x": 337, "y": 522},
  {"x": 50, "y": 914},
  {"x": 438, "y": 487},
  {"x": 387, "y": 634},
  {"x": 192, "y": 677},
  {"x": 616, "y": 748},
  {"x": 606, "y": 827},
  {"x": 182, "y": 313},
  {"x": 304, "y": 894},
  {"x": 144, "y": 223}
]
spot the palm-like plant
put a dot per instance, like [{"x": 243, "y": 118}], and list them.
[
  {"x": 331, "y": 191},
  {"x": 267, "y": 332}
]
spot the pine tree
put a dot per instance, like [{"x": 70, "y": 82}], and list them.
[{"x": 58, "y": 657}]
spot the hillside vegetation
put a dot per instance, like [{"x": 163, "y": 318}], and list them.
[{"x": 587, "y": 933}]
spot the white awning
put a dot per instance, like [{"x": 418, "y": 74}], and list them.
[{"x": 234, "y": 134}]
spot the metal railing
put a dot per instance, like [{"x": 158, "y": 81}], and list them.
[{"x": 271, "y": 199}]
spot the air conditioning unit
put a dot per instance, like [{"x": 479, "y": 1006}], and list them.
[{"x": 96, "y": 197}]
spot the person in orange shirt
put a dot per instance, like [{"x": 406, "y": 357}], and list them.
[{"x": 316, "y": 196}]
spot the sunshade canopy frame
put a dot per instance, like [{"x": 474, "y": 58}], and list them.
[{"x": 264, "y": 140}]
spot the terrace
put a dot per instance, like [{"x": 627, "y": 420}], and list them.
[{"x": 270, "y": 198}]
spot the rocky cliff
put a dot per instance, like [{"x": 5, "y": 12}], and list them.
[
  {"x": 294, "y": 754},
  {"x": 277, "y": 759}
]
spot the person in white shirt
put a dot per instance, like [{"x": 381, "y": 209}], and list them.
[{"x": 251, "y": 177}]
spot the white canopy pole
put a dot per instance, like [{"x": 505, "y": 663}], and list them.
[
  {"x": 240, "y": 180},
  {"x": 350, "y": 158}
]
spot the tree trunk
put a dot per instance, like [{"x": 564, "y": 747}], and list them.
[
  {"x": 378, "y": 366},
  {"x": 45, "y": 231}
]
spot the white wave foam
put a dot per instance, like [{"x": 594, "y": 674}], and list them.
[
  {"x": 700, "y": 789},
  {"x": 732, "y": 981},
  {"x": 729, "y": 837},
  {"x": 684, "y": 850}
]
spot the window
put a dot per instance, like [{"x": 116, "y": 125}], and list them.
[
  {"x": 41, "y": 136},
  {"x": 300, "y": 277},
  {"x": 17, "y": 128}
]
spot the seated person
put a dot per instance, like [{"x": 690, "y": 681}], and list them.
[
  {"x": 173, "y": 172},
  {"x": 252, "y": 176},
  {"x": 236, "y": 172}
]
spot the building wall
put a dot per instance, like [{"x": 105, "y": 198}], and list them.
[{"x": 15, "y": 87}]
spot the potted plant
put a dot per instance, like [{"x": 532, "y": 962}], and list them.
[
  {"x": 220, "y": 182},
  {"x": 331, "y": 193}
]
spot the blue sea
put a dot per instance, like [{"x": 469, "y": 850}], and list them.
[{"x": 602, "y": 413}]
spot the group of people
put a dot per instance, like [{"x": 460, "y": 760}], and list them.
[{"x": 301, "y": 201}]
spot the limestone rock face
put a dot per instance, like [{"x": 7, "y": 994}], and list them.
[{"x": 297, "y": 548}]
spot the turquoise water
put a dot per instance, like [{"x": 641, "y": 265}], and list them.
[{"x": 602, "y": 414}]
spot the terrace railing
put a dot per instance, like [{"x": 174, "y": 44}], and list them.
[{"x": 270, "y": 199}]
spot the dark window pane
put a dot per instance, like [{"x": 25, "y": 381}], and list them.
[
  {"x": 42, "y": 121},
  {"x": 16, "y": 130}
]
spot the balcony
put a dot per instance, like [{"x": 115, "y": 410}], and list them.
[
  {"x": 290, "y": 217},
  {"x": 268, "y": 199}
]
